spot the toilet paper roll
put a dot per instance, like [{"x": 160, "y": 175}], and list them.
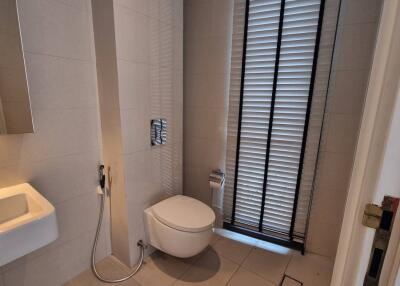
[{"x": 217, "y": 190}]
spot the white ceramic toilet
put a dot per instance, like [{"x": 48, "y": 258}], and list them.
[{"x": 180, "y": 226}]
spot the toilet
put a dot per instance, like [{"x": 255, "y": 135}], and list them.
[{"x": 180, "y": 226}]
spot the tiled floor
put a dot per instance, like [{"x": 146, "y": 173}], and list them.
[{"x": 231, "y": 260}]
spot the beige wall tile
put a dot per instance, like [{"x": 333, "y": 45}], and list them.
[
  {"x": 132, "y": 35},
  {"x": 135, "y": 125},
  {"x": 43, "y": 29},
  {"x": 31, "y": 272},
  {"x": 334, "y": 171},
  {"x": 154, "y": 40},
  {"x": 61, "y": 132},
  {"x": 74, "y": 254},
  {"x": 200, "y": 157},
  {"x": 197, "y": 19},
  {"x": 134, "y": 84},
  {"x": 347, "y": 92},
  {"x": 166, "y": 11},
  {"x": 178, "y": 14},
  {"x": 146, "y": 7},
  {"x": 10, "y": 146},
  {"x": 205, "y": 123},
  {"x": 206, "y": 90},
  {"x": 323, "y": 238},
  {"x": 71, "y": 222},
  {"x": 206, "y": 84},
  {"x": 359, "y": 11},
  {"x": 222, "y": 17},
  {"x": 324, "y": 209},
  {"x": 356, "y": 44},
  {"x": 149, "y": 52},
  {"x": 50, "y": 89},
  {"x": 343, "y": 132},
  {"x": 9, "y": 176},
  {"x": 141, "y": 179},
  {"x": 63, "y": 180},
  {"x": 107, "y": 71},
  {"x": 353, "y": 56},
  {"x": 60, "y": 159},
  {"x": 77, "y": 4}
]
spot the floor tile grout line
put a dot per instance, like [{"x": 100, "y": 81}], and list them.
[
  {"x": 233, "y": 274},
  {"x": 258, "y": 275},
  {"x": 253, "y": 248},
  {"x": 247, "y": 256},
  {"x": 286, "y": 268},
  {"x": 240, "y": 265},
  {"x": 251, "y": 271}
]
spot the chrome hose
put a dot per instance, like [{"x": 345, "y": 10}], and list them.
[{"x": 140, "y": 244}]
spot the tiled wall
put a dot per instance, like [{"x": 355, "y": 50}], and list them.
[
  {"x": 60, "y": 159},
  {"x": 107, "y": 82},
  {"x": 358, "y": 24},
  {"x": 149, "y": 46},
  {"x": 207, "y": 42}
]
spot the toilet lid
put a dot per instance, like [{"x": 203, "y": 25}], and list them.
[{"x": 184, "y": 213}]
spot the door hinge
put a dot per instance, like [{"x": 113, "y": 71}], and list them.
[{"x": 372, "y": 216}]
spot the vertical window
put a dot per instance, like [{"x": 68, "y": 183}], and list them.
[{"x": 280, "y": 51}]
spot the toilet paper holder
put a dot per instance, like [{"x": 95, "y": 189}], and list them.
[
  {"x": 217, "y": 176},
  {"x": 217, "y": 182}
]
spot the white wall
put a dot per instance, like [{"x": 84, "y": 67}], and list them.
[{"x": 60, "y": 159}]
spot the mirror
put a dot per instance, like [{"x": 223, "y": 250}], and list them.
[{"x": 15, "y": 110}]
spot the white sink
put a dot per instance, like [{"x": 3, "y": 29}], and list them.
[{"x": 27, "y": 222}]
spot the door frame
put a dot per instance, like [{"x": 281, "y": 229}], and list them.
[{"x": 370, "y": 165}]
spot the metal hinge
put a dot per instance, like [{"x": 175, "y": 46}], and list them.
[{"x": 372, "y": 216}]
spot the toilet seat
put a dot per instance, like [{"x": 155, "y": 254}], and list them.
[{"x": 184, "y": 213}]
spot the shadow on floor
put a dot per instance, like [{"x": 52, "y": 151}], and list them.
[{"x": 204, "y": 266}]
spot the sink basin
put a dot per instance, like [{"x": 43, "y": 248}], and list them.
[{"x": 27, "y": 222}]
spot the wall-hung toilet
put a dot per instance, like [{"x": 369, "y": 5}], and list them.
[{"x": 180, "y": 226}]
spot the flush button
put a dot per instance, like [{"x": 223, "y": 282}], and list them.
[{"x": 158, "y": 131}]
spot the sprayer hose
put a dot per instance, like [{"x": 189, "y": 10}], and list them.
[{"x": 95, "y": 272}]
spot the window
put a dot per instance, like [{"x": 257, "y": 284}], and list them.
[{"x": 278, "y": 68}]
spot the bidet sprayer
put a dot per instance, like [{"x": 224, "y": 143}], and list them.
[{"x": 102, "y": 177}]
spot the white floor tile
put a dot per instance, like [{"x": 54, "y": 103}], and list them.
[
  {"x": 269, "y": 265},
  {"x": 311, "y": 269}
]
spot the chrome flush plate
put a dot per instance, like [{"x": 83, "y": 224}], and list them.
[{"x": 158, "y": 131}]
